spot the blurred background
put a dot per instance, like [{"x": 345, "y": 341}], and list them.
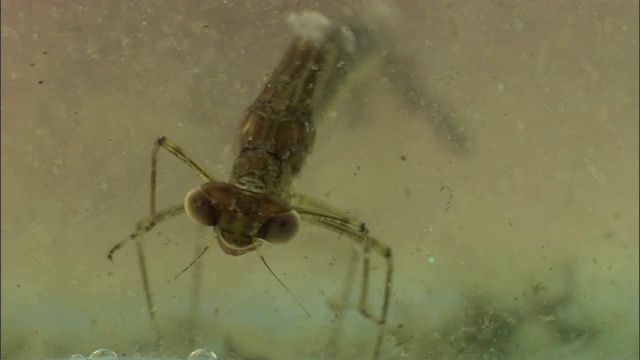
[{"x": 522, "y": 246}]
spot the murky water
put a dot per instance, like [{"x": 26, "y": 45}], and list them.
[{"x": 524, "y": 247}]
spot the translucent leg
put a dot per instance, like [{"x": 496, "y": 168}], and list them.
[
  {"x": 147, "y": 224},
  {"x": 322, "y": 216}
]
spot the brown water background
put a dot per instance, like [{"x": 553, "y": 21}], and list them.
[{"x": 527, "y": 248}]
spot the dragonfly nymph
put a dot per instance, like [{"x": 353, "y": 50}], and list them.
[{"x": 276, "y": 135}]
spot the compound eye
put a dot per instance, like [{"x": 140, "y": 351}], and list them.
[
  {"x": 200, "y": 208},
  {"x": 280, "y": 228}
]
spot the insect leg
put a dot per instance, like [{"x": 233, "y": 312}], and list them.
[
  {"x": 145, "y": 225},
  {"x": 359, "y": 233}
]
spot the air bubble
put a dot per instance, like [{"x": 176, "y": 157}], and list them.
[
  {"x": 77, "y": 357},
  {"x": 203, "y": 354},
  {"x": 103, "y": 354}
]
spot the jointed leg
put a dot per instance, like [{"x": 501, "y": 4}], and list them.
[
  {"x": 195, "y": 298},
  {"x": 339, "y": 306},
  {"x": 358, "y": 232},
  {"x": 145, "y": 225},
  {"x": 151, "y": 308},
  {"x": 156, "y": 217},
  {"x": 176, "y": 151}
]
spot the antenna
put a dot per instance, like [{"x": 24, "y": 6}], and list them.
[
  {"x": 192, "y": 262},
  {"x": 281, "y": 283}
]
